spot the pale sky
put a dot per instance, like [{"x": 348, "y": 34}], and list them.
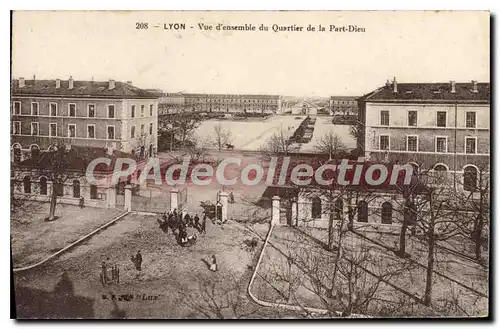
[{"x": 411, "y": 46}]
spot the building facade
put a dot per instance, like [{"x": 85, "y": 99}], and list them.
[
  {"x": 111, "y": 115},
  {"x": 343, "y": 105},
  {"x": 171, "y": 103},
  {"x": 237, "y": 103},
  {"x": 435, "y": 126}
]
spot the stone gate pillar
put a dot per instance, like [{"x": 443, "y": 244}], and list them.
[
  {"x": 275, "y": 210},
  {"x": 111, "y": 199},
  {"x": 128, "y": 198},
  {"x": 223, "y": 199},
  {"x": 174, "y": 199}
]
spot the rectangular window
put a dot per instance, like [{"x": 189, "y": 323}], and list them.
[
  {"x": 53, "y": 109},
  {"x": 470, "y": 119},
  {"x": 412, "y": 118},
  {"x": 132, "y": 111},
  {"x": 470, "y": 145},
  {"x": 111, "y": 111},
  {"x": 151, "y": 110},
  {"x": 17, "y": 108},
  {"x": 35, "y": 131},
  {"x": 132, "y": 132},
  {"x": 111, "y": 132},
  {"x": 142, "y": 111},
  {"x": 34, "y": 108},
  {"x": 384, "y": 118},
  {"x": 71, "y": 130},
  {"x": 412, "y": 143},
  {"x": 16, "y": 127},
  {"x": 91, "y": 111},
  {"x": 441, "y": 119},
  {"x": 151, "y": 129},
  {"x": 72, "y": 110},
  {"x": 142, "y": 130},
  {"x": 441, "y": 144},
  {"x": 53, "y": 129},
  {"x": 384, "y": 142},
  {"x": 90, "y": 131}
]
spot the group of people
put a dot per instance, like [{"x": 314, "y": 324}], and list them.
[{"x": 179, "y": 222}]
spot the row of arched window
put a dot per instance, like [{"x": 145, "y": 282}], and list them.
[
  {"x": 470, "y": 176},
  {"x": 386, "y": 211},
  {"x": 27, "y": 187},
  {"x": 34, "y": 149}
]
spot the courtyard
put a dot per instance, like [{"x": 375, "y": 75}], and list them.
[
  {"x": 33, "y": 239},
  {"x": 174, "y": 282}
]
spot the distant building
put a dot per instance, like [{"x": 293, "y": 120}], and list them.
[
  {"x": 171, "y": 103},
  {"x": 232, "y": 103},
  {"x": 440, "y": 126},
  {"x": 93, "y": 114},
  {"x": 156, "y": 92},
  {"x": 343, "y": 105}
]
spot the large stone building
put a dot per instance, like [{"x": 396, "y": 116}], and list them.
[
  {"x": 225, "y": 103},
  {"x": 440, "y": 126},
  {"x": 91, "y": 114},
  {"x": 345, "y": 105},
  {"x": 171, "y": 103}
]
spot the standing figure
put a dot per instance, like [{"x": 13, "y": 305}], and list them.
[
  {"x": 187, "y": 220},
  {"x": 204, "y": 224},
  {"x": 81, "y": 203},
  {"x": 138, "y": 261},
  {"x": 104, "y": 272},
  {"x": 213, "y": 264},
  {"x": 196, "y": 221}
]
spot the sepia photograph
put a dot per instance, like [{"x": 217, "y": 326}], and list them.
[{"x": 250, "y": 164}]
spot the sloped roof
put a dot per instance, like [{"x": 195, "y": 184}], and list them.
[
  {"x": 76, "y": 159},
  {"x": 430, "y": 92},
  {"x": 95, "y": 89}
]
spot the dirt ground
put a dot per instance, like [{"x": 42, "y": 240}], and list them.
[
  {"x": 174, "y": 282},
  {"x": 33, "y": 239}
]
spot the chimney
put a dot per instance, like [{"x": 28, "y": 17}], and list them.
[
  {"x": 387, "y": 83},
  {"x": 70, "y": 82},
  {"x": 129, "y": 82},
  {"x": 111, "y": 84},
  {"x": 58, "y": 83},
  {"x": 21, "y": 83},
  {"x": 395, "y": 85},
  {"x": 474, "y": 86},
  {"x": 453, "y": 87}
]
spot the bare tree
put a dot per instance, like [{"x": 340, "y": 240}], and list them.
[
  {"x": 58, "y": 166},
  {"x": 356, "y": 284},
  {"x": 198, "y": 149},
  {"x": 218, "y": 298},
  {"x": 182, "y": 125},
  {"x": 221, "y": 136},
  {"x": 472, "y": 210},
  {"x": 277, "y": 144},
  {"x": 331, "y": 144}
]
